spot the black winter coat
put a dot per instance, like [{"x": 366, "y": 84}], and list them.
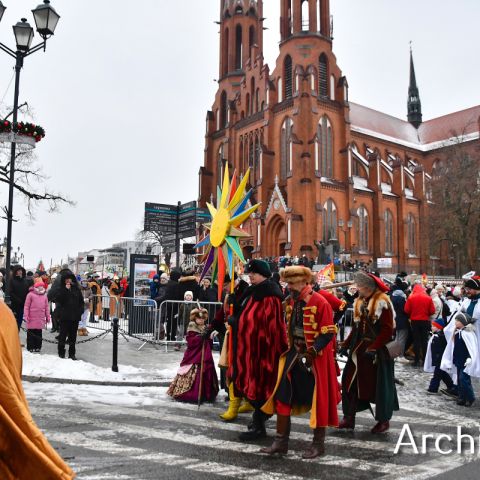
[
  {"x": 186, "y": 284},
  {"x": 18, "y": 291},
  {"x": 439, "y": 343},
  {"x": 70, "y": 304},
  {"x": 207, "y": 294},
  {"x": 398, "y": 300}
]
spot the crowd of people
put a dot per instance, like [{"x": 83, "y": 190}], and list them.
[
  {"x": 281, "y": 345},
  {"x": 281, "y": 337},
  {"x": 65, "y": 300}
]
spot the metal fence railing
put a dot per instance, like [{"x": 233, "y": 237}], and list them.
[
  {"x": 145, "y": 320},
  {"x": 174, "y": 316}
]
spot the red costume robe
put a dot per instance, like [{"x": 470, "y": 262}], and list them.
[
  {"x": 261, "y": 338},
  {"x": 317, "y": 320}
]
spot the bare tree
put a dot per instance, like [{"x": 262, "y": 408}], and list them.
[
  {"x": 454, "y": 216},
  {"x": 29, "y": 179},
  {"x": 155, "y": 239}
]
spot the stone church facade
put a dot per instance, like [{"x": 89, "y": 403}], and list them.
[{"x": 325, "y": 169}]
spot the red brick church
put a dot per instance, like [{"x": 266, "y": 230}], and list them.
[{"x": 325, "y": 169}]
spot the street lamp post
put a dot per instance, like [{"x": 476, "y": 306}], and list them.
[
  {"x": 341, "y": 224},
  {"x": 46, "y": 19}
]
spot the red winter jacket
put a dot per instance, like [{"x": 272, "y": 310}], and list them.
[{"x": 419, "y": 305}]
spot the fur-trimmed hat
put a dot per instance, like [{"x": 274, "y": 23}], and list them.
[
  {"x": 296, "y": 273},
  {"x": 258, "y": 266},
  {"x": 198, "y": 313}
]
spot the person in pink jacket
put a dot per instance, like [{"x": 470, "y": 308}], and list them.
[{"x": 36, "y": 314}]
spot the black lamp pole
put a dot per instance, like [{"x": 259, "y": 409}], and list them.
[
  {"x": 46, "y": 19},
  {"x": 18, "y": 67}
]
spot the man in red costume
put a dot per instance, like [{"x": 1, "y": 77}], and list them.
[
  {"x": 261, "y": 339},
  {"x": 307, "y": 376},
  {"x": 368, "y": 376}
]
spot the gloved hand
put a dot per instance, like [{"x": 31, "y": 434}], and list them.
[
  {"x": 206, "y": 332},
  {"x": 468, "y": 361},
  {"x": 308, "y": 357}
]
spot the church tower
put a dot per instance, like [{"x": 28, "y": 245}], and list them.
[
  {"x": 414, "y": 104},
  {"x": 241, "y": 27},
  {"x": 299, "y": 17}
]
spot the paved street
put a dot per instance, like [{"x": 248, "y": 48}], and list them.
[{"x": 139, "y": 433}]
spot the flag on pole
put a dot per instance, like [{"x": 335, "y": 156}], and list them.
[{"x": 327, "y": 273}]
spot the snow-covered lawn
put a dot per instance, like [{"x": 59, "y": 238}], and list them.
[{"x": 45, "y": 365}]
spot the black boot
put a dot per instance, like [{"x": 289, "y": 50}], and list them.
[
  {"x": 61, "y": 352},
  {"x": 317, "y": 447},
  {"x": 256, "y": 429},
  {"x": 280, "y": 444},
  {"x": 71, "y": 352}
]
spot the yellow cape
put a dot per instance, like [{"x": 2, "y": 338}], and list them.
[{"x": 24, "y": 452}]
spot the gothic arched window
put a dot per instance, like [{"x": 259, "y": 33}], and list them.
[
  {"x": 238, "y": 47},
  {"x": 388, "y": 220},
  {"x": 223, "y": 110},
  {"x": 288, "y": 76},
  {"x": 286, "y": 148},
  {"x": 412, "y": 237},
  {"x": 251, "y": 39},
  {"x": 252, "y": 88},
  {"x": 325, "y": 147},
  {"x": 305, "y": 16},
  {"x": 362, "y": 232},
  {"x": 323, "y": 76},
  {"x": 225, "y": 52},
  {"x": 220, "y": 163},
  {"x": 329, "y": 223}
]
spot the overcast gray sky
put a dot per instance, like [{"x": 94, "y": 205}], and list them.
[{"x": 124, "y": 87}]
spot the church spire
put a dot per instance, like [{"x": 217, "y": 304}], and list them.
[{"x": 414, "y": 103}]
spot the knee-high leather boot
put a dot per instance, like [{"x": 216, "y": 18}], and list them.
[
  {"x": 317, "y": 447},
  {"x": 280, "y": 444}
]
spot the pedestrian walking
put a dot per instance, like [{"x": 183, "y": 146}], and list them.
[
  {"x": 435, "y": 350},
  {"x": 368, "y": 376},
  {"x": 36, "y": 314},
  {"x": 419, "y": 307},
  {"x": 307, "y": 378},
  {"x": 260, "y": 340}
]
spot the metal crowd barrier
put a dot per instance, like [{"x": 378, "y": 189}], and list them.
[
  {"x": 102, "y": 310},
  {"x": 144, "y": 319},
  {"x": 173, "y": 319}
]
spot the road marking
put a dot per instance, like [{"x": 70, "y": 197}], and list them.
[{"x": 181, "y": 436}]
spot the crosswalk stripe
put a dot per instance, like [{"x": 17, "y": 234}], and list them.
[
  {"x": 200, "y": 439},
  {"x": 84, "y": 440},
  {"x": 334, "y": 437},
  {"x": 419, "y": 471}
]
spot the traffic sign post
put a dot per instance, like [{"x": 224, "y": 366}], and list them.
[{"x": 174, "y": 222}]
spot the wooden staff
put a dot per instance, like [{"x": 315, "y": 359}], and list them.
[
  {"x": 201, "y": 374},
  {"x": 336, "y": 285}
]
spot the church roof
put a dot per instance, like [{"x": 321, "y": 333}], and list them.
[{"x": 430, "y": 135}]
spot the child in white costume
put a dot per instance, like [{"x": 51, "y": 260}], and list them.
[{"x": 461, "y": 357}]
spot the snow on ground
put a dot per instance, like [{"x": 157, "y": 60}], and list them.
[
  {"x": 51, "y": 366},
  {"x": 96, "y": 394},
  {"x": 44, "y": 365}
]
